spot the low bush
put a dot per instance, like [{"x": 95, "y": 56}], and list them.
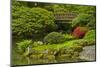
[
  {"x": 79, "y": 32},
  {"x": 90, "y": 35},
  {"x": 68, "y": 36},
  {"x": 54, "y": 38},
  {"x": 22, "y": 46}
]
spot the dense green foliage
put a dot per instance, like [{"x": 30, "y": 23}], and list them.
[
  {"x": 90, "y": 35},
  {"x": 16, "y": 4},
  {"x": 68, "y": 37},
  {"x": 54, "y": 38},
  {"x": 65, "y": 27},
  {"x": 28, "y": 21},
  {"x": 23, "y": 45},
  {"x": 84, "y": 20}
]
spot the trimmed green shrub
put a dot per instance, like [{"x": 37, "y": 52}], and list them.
[
  {"x": 23, "y": 45},
  {"x": 29, "y": 22},
  {"x": 54, "y": 38}
]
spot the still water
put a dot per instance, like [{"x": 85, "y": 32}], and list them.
[{"x": 18, "y": 59}]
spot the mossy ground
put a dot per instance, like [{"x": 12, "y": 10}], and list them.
[{"x": 72, "y": 43}]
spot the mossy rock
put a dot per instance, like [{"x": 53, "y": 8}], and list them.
[
  {"x": 87, "y": 43},
  {"x": 69, "y": 51},
  {"x": 77, "y": 48},
  {"x": 64, "y": 56},
  {"x": 75, "y": 55},
  {"x": 39, "y": 56},
  {"x": 49, "y": 57},
  {"x": 62, "y": 51},
  {"x": 91, "y": 42},
  {"x": 50, "y": 51},
  {"x": 83, "y": 43}
]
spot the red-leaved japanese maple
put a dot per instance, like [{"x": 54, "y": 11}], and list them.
[{"x": 79, "y": 32}]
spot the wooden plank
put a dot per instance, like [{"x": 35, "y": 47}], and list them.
[{"x": 65, "y": 16}]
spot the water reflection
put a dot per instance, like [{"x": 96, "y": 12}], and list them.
[{"x": 20, "y": 60}]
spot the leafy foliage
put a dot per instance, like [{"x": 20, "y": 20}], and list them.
[
  {"x": 28, "y": 21},
  {"x": 91, "y": 35},
  {"x": 84, "y": 20},
  {"x": 54, "y": 38},
  {"x": 66, "y": 27},
  {"x": 81, "y": 20},
  {"x": 68, "y": 37},
  {"x": 23, "y": 45},
  {"x": 17, "y": 3}
]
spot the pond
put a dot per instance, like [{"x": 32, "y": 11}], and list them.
[{"x": 18, "y": 59}]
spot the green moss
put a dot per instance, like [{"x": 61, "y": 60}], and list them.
[
  {"x": 68, "y": 47},
  {"x": 34, "y": 56},
  {"x": 69, "y": 36},
  {"x": 71, "y": 43},
  {"x": 90, "y": 35},
  {"x": 76, "y": 54},
  {"x": 49, "y": 57},
  {"x": 64, "y": 56}
]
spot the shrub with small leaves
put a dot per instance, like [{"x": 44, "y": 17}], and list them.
[{"x": 54, "y": 38}]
